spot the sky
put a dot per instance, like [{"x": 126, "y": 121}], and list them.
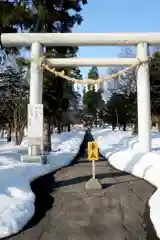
[{"x": 103, "y": 16}]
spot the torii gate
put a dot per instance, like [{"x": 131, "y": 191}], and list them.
[{"x": 37, "y": 40}]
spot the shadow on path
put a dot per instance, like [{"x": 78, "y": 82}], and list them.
[
  {"x": 99, "y": 176},
  {"x": 42, "y": 187}
]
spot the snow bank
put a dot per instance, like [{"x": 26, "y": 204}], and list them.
[
  {"x": 121, "y": 149},
  {"x": 16, "y": 198}
]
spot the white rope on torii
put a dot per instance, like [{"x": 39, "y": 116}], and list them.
[{"x": 44, "y": 63}]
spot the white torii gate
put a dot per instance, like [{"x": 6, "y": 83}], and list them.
[{"x": 141, "y": 40}]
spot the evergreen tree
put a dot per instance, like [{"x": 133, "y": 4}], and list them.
[
  {"x": 119, "y": 110},
  {"x": 13, "y": 101},
  {"x": 155, "y": 88},
  {"x": 48, "y": 16},
  {"x": 92, "y": 74}
]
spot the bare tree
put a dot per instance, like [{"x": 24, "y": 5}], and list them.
[{"x": 126, "y": 82}]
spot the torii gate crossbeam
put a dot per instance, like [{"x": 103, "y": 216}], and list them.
[{"x": 80, "y": 39}]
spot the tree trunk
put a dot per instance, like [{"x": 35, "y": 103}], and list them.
[
  {"x": 59, "y": 129},
  {"x": 158, "y": 126},
  {"x": 124, "y": 126},
  {"x": 47, "y": 135},
  {"x": 19, "y": 130},
  {"x": 117, "y": 118},
  {"x": 19, "y": 134},
  {"x": 9, "y": 131},
  {"x": 16, "y": 136},
  {"x": 62, "y": 128},
  {"x": 2, "y": 133},
  {"x": 135, "y": 129},
  {"x": 113, "y": 127},
  {"x": 68, "y": 127}
]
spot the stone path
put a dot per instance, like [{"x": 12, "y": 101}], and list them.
[{"x": 117, "y": 212}]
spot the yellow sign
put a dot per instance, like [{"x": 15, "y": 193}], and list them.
[{"x": 92, "y": 151}]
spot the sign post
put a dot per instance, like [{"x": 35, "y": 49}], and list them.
[
  {"x": 93, "y": 156},
  {"x": 93, "y": 169}
]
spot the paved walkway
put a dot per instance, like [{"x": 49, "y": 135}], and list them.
[{"x": 117, "y": 212}]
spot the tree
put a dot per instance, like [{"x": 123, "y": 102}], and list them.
[
  {"x": 14, "y": 16},
  {"x": 92, "y": 99},
  {"x": 116, "y": 112},
  {"x": 75, "y": 106},
  {"x": 49, "y": 16},
  {"x": 61, "y": 21},
  {"x": 119, "y": 110},
  {"x": 92, "y": 74},
  {"x": 37, "y": 16},
  {"x": 13, "y": 102},
  {"x": 93, "y": 102},
  {"x": 122, "y": 91},
  {"x": 57, "y": 101},
  {"x": 155, "y": 87},
  {"x": 126, "y": 82}
]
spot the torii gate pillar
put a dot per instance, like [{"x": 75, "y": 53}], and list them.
[
  {"x": 35, "y": 107},
  {"x": 143, "y": 100}
]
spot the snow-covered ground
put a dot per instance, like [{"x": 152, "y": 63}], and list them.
[
  {"x": 121, "y": 149},
  {"x": 16, "y": 197}
]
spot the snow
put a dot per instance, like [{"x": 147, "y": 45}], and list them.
[
  {"x": 121, "y": 150},
  {"x": 16, "y": 198}
]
